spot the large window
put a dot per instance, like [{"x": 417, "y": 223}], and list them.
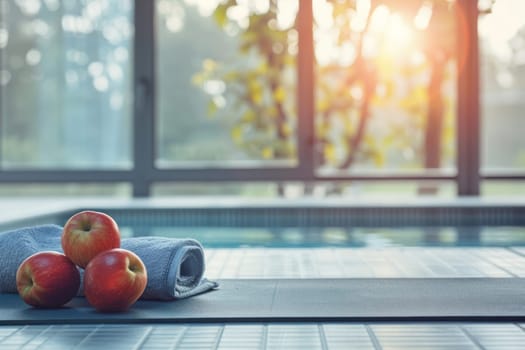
[
  {"x": 502, "y": 73},
  {"x": 65, "y": 82},
  {"x": 386, "y": 86},
  {"x": 303, "y": 94},
  {"x": 226, "y": 78},
  {"x": 502, "y": 48}
]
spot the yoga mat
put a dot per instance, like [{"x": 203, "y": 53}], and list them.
[{"x": 306, "y": 300}]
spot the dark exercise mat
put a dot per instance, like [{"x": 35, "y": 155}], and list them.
[{"x": 267, "y": 300}]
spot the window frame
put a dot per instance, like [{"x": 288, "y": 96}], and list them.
[{"x": 144, "y": 174}]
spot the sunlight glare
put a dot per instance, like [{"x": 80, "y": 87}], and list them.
[
  {"x": 396, "y": 33},
  {"x": 286, "y": 13},
  {"x": 239, "y": 14},
  {"x": 423, "y": 16},
  {"x": 379, "y": 19},
  {"x": 358, "y": 24},
  {"x": 501, "y": 25},
  {"x": 323, "y": 14},
  {"x": 399, "y": 35},
  {"x": 326, "y": 50}
]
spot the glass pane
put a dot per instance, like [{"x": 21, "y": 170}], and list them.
[
  {"x": 226, "y": 82},
  {"x": 502, "y": 48},
  {"x": 390, "y": 191},
  {"x": 66, "y": 189},
  {"x": 386, "y": 86},
  {"x": 503, "y": 189},
  {"x": 65, "y": 84},
  {"x": 224, "y": 190}
]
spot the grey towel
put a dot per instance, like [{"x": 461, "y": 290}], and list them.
[{"x": 175, "y": 266}]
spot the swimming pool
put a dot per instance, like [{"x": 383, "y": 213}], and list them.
[
  {"x": 305, "y": 237},
  {"x": 452, "y": 224}
]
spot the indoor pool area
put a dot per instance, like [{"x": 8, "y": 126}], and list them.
[
  {"x": 262, "y": 174},
  {"x": 314, "y": 275}
]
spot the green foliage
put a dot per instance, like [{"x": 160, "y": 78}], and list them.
[
  {"x": 372, "y": 110},
  {"x": 257, "y": 88},
  {"x": 220, "y": 15}
]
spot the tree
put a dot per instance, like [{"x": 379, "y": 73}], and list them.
[
  {"x": 387, "y": 103},
  {"x": 260, "y": 87}
]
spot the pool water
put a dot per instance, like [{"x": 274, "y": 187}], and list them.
[{"x": 301, "y": 237}]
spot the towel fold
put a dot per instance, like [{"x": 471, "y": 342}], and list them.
[{"x": 175, "y": 266}]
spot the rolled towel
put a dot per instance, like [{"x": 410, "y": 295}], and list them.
[{"x": 175, "y": 266}]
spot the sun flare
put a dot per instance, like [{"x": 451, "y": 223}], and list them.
[{"x": 398, "y": 34}]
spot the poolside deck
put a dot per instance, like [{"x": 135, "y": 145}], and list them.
[
  {"x": 397, "y": 262},
  {"x": 307, "y": 263}
]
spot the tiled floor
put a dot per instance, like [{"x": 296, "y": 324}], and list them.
[
  {"x": 266, "y": 336},
  {"x": 307, "y": 263},
  {"x": 364, "y": 262}
]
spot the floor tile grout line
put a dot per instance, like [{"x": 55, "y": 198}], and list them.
[
  {"x": 18, "y": 330},
  {"x": 142, "y": 340},
  {"x": 471, "y": 337},
  {"x": 27, "y": 327},
  {"x": 95, "y": 329},
  {"x": 264, "y": 340},
  {"x": 488, "y": 260},
  {"x": 218, "y": 337},
  {"x": 28, "y": 342},
  {"x": 515, "y": 252},
  {"x": 42, "y": 334},
  {"x": 179, "y": 337},
  {"x": 322, "y": 337},
  {"x": 373, "y": 338}
]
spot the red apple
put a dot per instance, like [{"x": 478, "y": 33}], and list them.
[
  {"x": 47, "y": 279},
  {"x": 87, "y": 234},
  {"x": 114, "y": 280}
]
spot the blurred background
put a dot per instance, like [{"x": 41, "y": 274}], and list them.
[{"x": 261, "y": 98}]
